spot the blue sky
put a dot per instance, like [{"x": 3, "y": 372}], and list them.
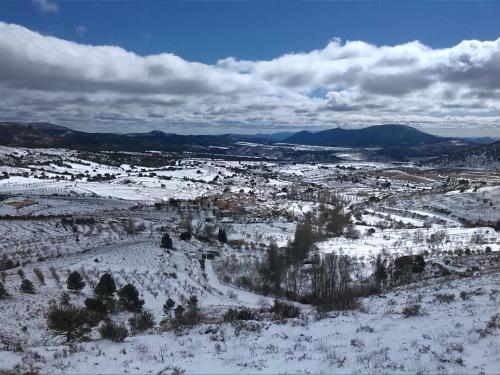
[
  {"x": 210, "y": 30},
  {"x": 285, "y": 70}
]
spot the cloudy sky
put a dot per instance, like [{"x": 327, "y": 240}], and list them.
[{"x": 247, "y": 67}]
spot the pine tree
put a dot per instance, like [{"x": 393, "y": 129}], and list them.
[
  {"x": 179, "y": 313},
  {"x": 27, "y": 287},
  {"x": 75, "y": 281},
  {"x": 3, "y": 291},
  {"x": 129, "y": 298},
  {"x": 222, "y": 236},
  {"x": 166, "y": 241},
  {"x": 106, "y": 287},
  {"x": 97, "y": 306},
  {"x": 167, "y": 306},
  {"x": 71, "y": 322}
]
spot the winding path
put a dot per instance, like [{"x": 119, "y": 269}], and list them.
[{"x": 244, "y": 297}]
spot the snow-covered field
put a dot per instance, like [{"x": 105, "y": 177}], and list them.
[
  {"x": 61, "y": 213},
  {"x": 402, "y": 242},
  {"x": 445, "y": 338}
]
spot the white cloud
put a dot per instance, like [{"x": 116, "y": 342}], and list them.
[
  {"x": 349, "y": 84},
  {"x": 47, "y": 6}
]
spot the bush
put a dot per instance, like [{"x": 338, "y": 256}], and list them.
[
  {"x": 347, "y": 299},
  {"x": 464, "y": 295},
  {"x": 247, "y": 326},
  {"x": 493, "y": 323},
  {"x": 113, "y": 332},
  {"x": 416, "y": 263},
  {"x": 179, "y": 313},
  {"x": 142, "y": 321},
  {"x": 411, "y": 310},
  {"x": 352, "y": 233},
  {"x": 106, "y": 287},
  {"x": 27, "y": 287},
  {"x": 189, "y": 316},
  {"x": 129, "y": 298},
  {"x": 405, "y": 266},
  {"x": 232, "y": 315},
  {"x": 491, "y": 326},
  {"x": 71, "y": 322},
  {"x": 437, "y": 238},
  {"x": 185, "y": 236},
  {"x": 445, "y": 297},
  {"x": 357, "y": 343},
  {"x": 192, "y": 315},
  {"x": 283, "y": 310},
  {"x": 65, "y": 299},
  {"x": 336, "y": 220},
  {"x": 75, "y": 281},
  {"x": 365, "y": 329}
]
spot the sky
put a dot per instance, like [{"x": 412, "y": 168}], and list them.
[{"x": 205, "y": 67}]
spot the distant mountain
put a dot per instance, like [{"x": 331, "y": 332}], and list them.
[
  {"x": 263, "y": 137},
  {"x": 481, "y": 157},
  {"x": 482, "y": 140},
  {"x": 276, "y": 137},
  {"x": 393, "y": 142},
  {"x": 45, "y": 135},
  {"x": 372, "y": 136}
]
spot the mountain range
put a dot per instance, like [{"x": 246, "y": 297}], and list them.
[
  {"x": 390, "y": 135},
  {"x": 391, "y": 141},
  {"x": 45, "y": 135},
  {"x": 50, "y": 135}
]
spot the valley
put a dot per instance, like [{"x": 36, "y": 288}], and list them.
[{"x": 345, "y": 263}]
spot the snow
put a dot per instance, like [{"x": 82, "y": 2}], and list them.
[
  {"x": 401, "y": 242},
  {"x": 376, "y": 338},
  {"x": 443, "y": 339},
  {"x": 242, "y": 296}
]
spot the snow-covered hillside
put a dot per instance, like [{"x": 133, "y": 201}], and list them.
[{"x": 414, "y": 251}]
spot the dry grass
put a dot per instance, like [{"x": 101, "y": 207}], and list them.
[{"x": 20, "y": 203}]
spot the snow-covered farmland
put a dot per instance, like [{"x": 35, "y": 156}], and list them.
[{"x": 63, "y": 211}]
